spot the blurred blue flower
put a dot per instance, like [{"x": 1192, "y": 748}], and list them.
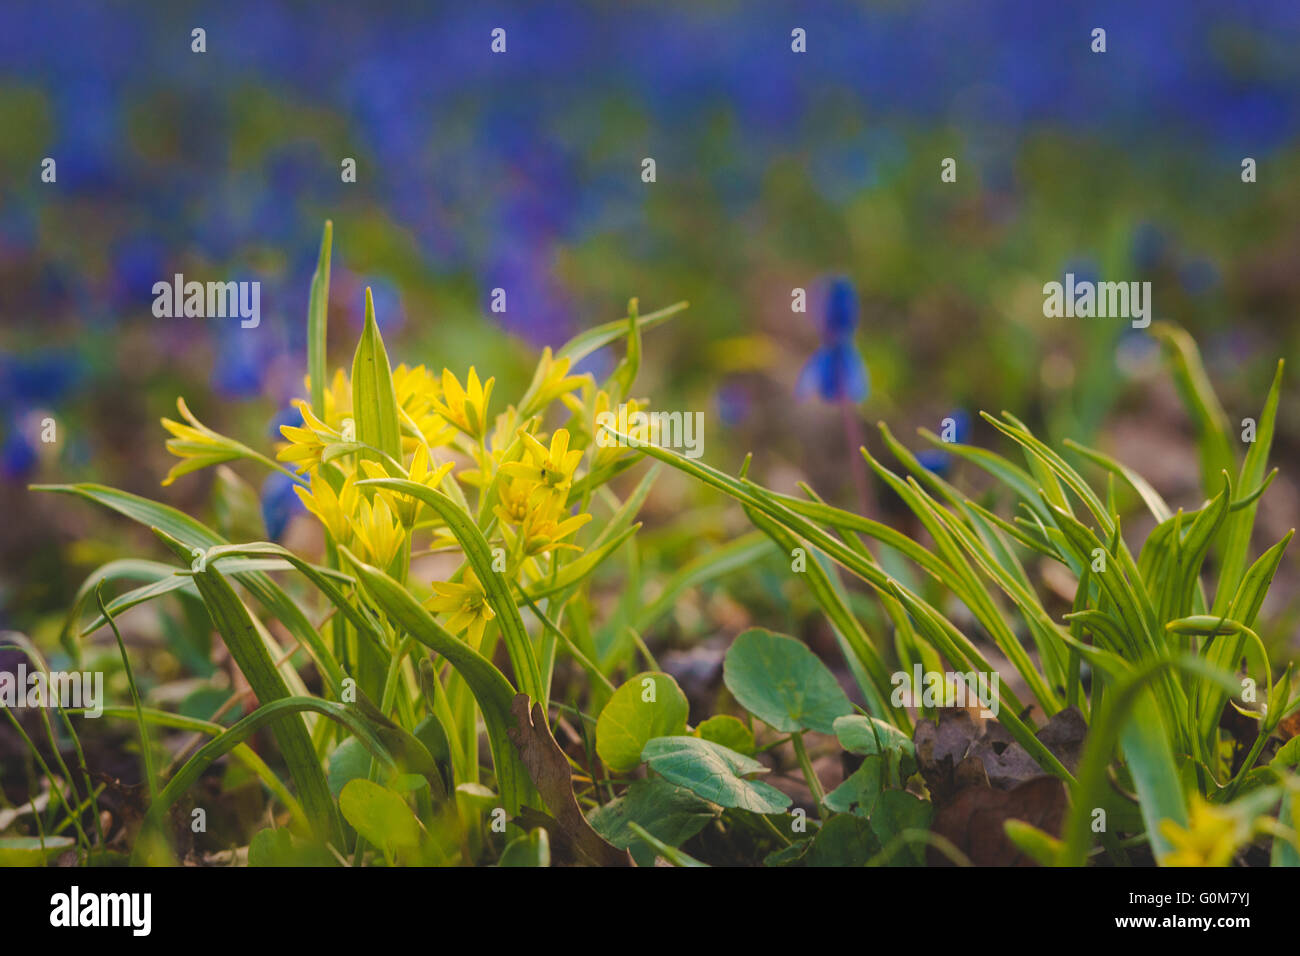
[
  {"x": 935, "y": 460},
  {"x": 17, "y": 455},
  {"x": 279, "y": 504},
  {"x": 836, "y": 372},
  {"x": 38, "y": 378}
]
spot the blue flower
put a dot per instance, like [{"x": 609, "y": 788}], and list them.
[
  {"x": 836, "y": 372},
  {"x": 17, "y": 456},
  {"x": 934, "y": 460},
  {"x": 841, "y": 312},
  {"x": 279, "y": 504}
]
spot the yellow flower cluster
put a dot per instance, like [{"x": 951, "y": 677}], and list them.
[{"x": 524, "y": 479}]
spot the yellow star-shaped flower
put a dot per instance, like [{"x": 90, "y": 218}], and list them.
[
  {"x": 467, "y": 605},
  {"x": 466, "y": 408},
  {"x": 1211, "y": 837},
  {"x": 552, "y": 468}
]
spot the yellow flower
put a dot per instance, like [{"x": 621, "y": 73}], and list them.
[
  {"x": 379, "y": 533},
  {"x": 552, "y": 467},
  {"x": 338, "y": 399},
  {"x": 1211, "y": 837},
  {"x": 197, "y": 445},
  {"x": 466, "y": 408},
  {"x": 466, "y": 602},
  {"x": 592, "y": 410},
  {"x": 550, "y": 381},
  {"x": 417, "y": 390},
  {"x": 420, "y": 472},
  {"x": 307, "y": 444},
  {"x": 543, "y": 529},
  {"x": 333, "y": 510},
  {"x": 515, "y": 498}
]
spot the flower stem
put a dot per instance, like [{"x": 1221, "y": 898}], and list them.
[{"x": 814, "y": 784}]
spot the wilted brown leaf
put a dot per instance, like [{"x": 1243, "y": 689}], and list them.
[
  {"x": 549, "y": 770},
  {"x": 979, "y": 778}
]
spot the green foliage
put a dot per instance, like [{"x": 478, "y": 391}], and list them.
[{"x": 1161, "y": 654}]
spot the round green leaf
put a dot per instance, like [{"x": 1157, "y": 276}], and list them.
[
  {"x": 27, "y": 851},
  {"x": 669, "y": 813},
  {"x": 714, "y": 772},
  {"x": 349, "y": 761},
  {"x": 647, "y": 706},
  {"x": 728, "y": 731},
  {"x": 379, "y": 815},
  {"x": 868, "y": 736},
  {"x": 782, "y": 682},
  {"x": 844, "y": 840}
]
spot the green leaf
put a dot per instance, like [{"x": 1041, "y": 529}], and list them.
[
  {"x": 648, "y": 705},
  {"x": 714, "y": 772},
  {"x": 531, "y": 849},
  {"x": 492, "y": 691},
  {"x": 783, "y": 683},
  {"x": 1194, "y": 385},
  {"x": 193, "y": 534},
  {"x": 843, "y": 840},
  {"x": 1245, "y": 606},
  {"x": 250, "y": 654},
  {"x": 860, "y": 790},
  {"x": 241, "y": 752},
  {"x": 896, "y": 811},
  {"x": 1254, "y": 585},
  {"x": 869, "y": 736},
  {"x": 672, "y": 814},
  {"x": 584, "y": 343},
  {"x": 1004, "y": 470},
  {"x": 1284, "y": 852},
  {"x": 792, "y": 855},
  {"x": 317, "y": 314},
  {"x": 1131, "y": 717},
  {"x": 729, "y": 732},
  {"x": 573, "y": 573},
  {"x": 1043, "y": 848},
  {"x": 279, "y": 847},
  {"x": 861, "y": 655},
  {"x": 27, "y": 851},
  {"x": 379, "y": 815},
  {"x": 148, "y": 849},
  {"x": 671, "y": 854},
  {"x": 1155, "y": 504},
  {"x": 1236, "y": 546},
  {"x": 374, "y": 401},
  {"x": 349, "y": 761}
]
